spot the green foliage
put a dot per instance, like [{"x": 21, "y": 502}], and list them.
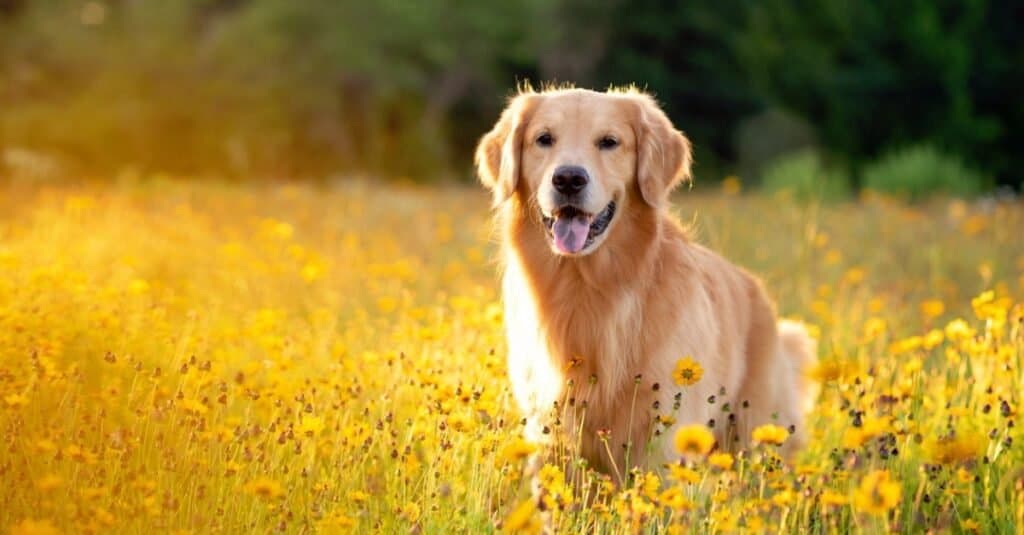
[
  {"x": 804, "y": 176},
  {"x": 868, "y": 75},
  {"x": 920, "y": 171},
  {"x": 270, "y": 87},
  {"x": 398, "y": 88}
]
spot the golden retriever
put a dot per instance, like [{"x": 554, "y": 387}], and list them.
[{"x": 604, "y": 291}]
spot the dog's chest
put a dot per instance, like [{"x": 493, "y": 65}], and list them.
[{"x": 559, "y": 338}]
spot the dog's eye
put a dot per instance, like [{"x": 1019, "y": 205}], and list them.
[
  {"x": 607, "y": 142},
  {"x": 545, "y": 140}
]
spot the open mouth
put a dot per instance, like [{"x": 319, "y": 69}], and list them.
[{"x": 573, "y": 230}]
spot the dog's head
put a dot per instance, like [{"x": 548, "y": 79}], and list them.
[{"x": 579, "y": 158}]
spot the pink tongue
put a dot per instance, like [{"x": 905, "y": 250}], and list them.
[{"x": 571, "y": 233}]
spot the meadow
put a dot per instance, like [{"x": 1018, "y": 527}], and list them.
[{"x": 193, "y": 357}]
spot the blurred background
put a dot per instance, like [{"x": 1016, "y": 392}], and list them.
[{"x": 823, "y": 96}]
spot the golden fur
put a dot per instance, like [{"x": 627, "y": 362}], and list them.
[{"x": 593, "y": 338}]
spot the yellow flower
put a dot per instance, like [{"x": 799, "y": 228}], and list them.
[
  {"x": 877, "y": 493},
  {"x": 958, "y": 329},
  {"x": 649, "y": 484},
  {"x": 784, "y": 498},
  {"x": 970, "y": 525},
  {"x": 723, "y": 521},
  {"x": 194, "y": 406},
  {"x": 906, "y": 345},
  {"x": 932, "y": 308},
  {"x": 854, "y": 275},
  {"x": 694, "y": 440},
  {"x": 872, "y": 427},
  {"x": 673, "y": 498},
  {"x": 770, "y": 434},
  {"x": 311, "y": 425},
  {"x": 517, "y": 450},
  {"x": 138, "y": 286},
  {"x": 557, "y": 494},
  {"x": 683, "y": 474},
  {"x": 833, "y": 498},
  {"x": 410, "y": 512},
  {"x": 49, "y": 482},
  {"x": 874, "y": 328},
  {"x": 104, "y": 517},
  {"x": 687, "y": 372},
  {"x": 721, "y": 460},
  {"x": 932, "y": 339},
  {"x": 16, "y": 400},
  {"x": 831, "y": 370},
  {"x": 665, "y": 419},
  {"x": 959, "y": 447},
  {"x": 337, "y": 520},
  {"x": 358, "y": 496},
  {"x": 34, "y": 527},
  {"x": 45, "y": 446},
  {"x": 522, "y": 519},
  {"x": 387, "y": 304},
  {"x": 232, "y": 468},
  {"x": 265, "y": 488}
]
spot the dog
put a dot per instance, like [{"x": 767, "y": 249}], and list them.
[{"x": 605, "y": 292}]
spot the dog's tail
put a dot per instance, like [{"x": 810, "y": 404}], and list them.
[{"x": 800, "y": 352}]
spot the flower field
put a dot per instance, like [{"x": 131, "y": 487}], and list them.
[{"x": 201, "y": 358}]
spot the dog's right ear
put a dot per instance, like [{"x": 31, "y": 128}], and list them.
[{"x": 500, "y": 150}]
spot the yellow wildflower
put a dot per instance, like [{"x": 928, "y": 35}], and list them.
[
  {"x": 694, "y": 440},
  {"x": 49, "y": 482},
  {"x": 958, "y": 329},
  {"x": 877, "y": 493},
  {"x": 721, "y": 460},
  {"x": 410, "y": 512},
  {"x": 16, "y": 400},
  {"x": 683, "y": 474},
  {"x": 874, "y": 328},
  {"x": 784, "y": 498},
  {"x": 932, "y": 308},
  {"x": 517, "y": 450},
  {"x": 960, "y": 447},
  {"x": 337, "y": 520},
  {"x": 770, "y": 434},
  {"x": 34, "y": 527},
  {"x": 311, "y": 425},
  {"x": 832, "y": 498},
  {"x": 687, "y": 372},
  {"x": 871, "y": 427},
  {"x": 556, "y": 494},
  {"x": 522, "y": 519},
  {"x": 673, "y": 498},
  {"x": 970, "y": 525},
  {"x": 265, "y": 488}
]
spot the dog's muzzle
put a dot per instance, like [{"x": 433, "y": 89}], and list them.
[{"x": 573, "y": 230}]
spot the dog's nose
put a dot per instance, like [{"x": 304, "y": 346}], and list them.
[{"x": 570, "y": 179}]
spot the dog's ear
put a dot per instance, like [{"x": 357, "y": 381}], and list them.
[
  {"x": 663, "y": 157},
  {"x": 500, "y": 150}
]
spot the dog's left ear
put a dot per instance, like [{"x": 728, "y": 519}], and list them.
[
  {"x": 500, "y": 150},
  {"x": 663, "y": 157}
]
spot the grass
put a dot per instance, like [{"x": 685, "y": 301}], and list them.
[{"x": 202, "y": 358}]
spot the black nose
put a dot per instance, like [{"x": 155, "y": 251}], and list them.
[{"x": 570, "y": 179}]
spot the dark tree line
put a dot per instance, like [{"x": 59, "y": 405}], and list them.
[{"x": 404, "y": 88}]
